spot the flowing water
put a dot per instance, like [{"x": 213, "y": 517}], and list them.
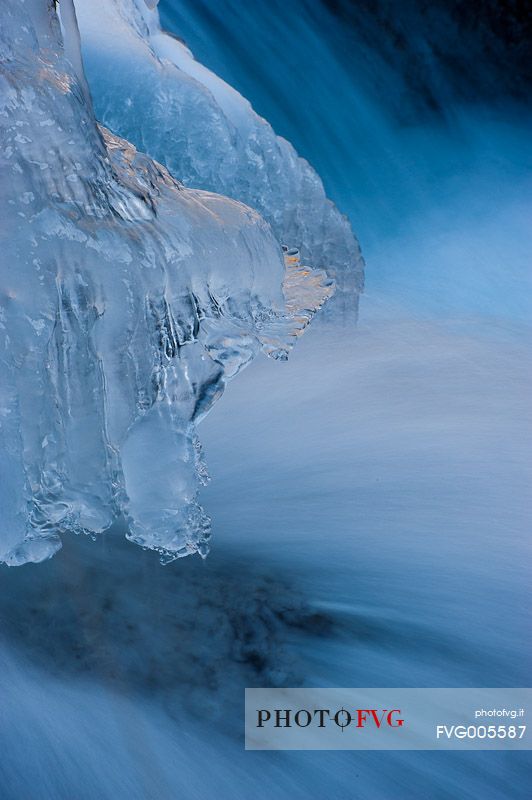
[{"x": 370, "y": 497}]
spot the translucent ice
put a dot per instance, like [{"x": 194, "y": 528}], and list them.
[
  {"x": 126, "y": 303},
  {"x": 148, "y": 87}
]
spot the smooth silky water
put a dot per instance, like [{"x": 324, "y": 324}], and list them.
[{"x": 369, "y": 498}]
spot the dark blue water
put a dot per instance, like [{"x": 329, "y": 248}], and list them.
[{"x": 416, "y": 117}]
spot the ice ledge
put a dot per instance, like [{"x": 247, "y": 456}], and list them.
[{"x": 127, "y": 302}]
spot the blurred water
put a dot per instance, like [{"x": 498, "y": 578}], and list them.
[
  {"x": 370, "y": 498},
  {"x": 406, "y": 112}
]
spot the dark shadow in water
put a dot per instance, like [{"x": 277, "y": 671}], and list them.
[
  {"x": 108, "y": 611},
  {"x": 193, "y": 633}
]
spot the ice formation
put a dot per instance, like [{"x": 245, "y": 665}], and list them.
[
  {"x": 126, "y": 303},
  {"x": 148, "y": 87}
]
